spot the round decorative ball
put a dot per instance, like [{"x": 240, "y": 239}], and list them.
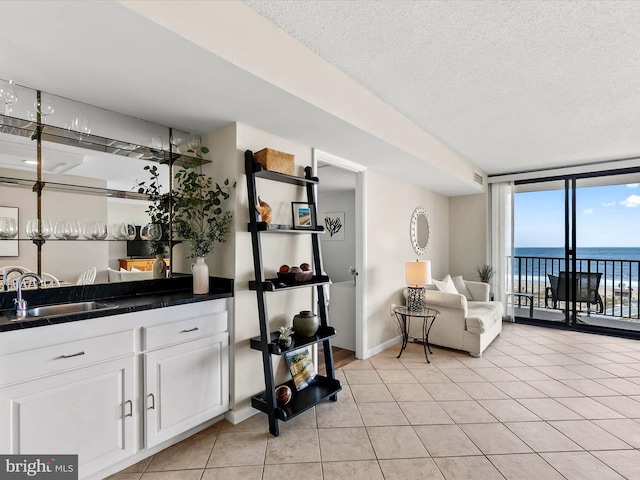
[{"x": 283, "y": 395}]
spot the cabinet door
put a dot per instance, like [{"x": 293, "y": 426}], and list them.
[
  {"x": 88, "y": 412},
  {"x": 185, "y": 385}
]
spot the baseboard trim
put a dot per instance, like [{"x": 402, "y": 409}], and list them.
[
  {"x": 382, "y": 347},
  {"x": 241, "y": 414}
]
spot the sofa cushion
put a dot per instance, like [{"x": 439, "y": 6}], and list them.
[
  {"x": 445, "y": 285},
  {"x": 458, "y": 282},
  {"x": 482, "y": 315}
]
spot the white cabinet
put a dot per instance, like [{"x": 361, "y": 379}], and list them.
[
  {"x": 88, "y": 411},
  {"x": 97, "y": 387},
  {"x": 185, "y": 385}
]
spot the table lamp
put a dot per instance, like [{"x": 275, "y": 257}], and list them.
[{"x": 418, "y": 274}]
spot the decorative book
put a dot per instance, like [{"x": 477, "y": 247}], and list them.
[{"x": 300, "y": 364}]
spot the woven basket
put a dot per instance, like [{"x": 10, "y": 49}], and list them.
[{"x": 275, "y": 161}]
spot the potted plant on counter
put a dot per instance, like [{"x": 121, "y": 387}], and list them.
[
  {"x": 198, "y": 216},
  {"x": 157, "y": 231}
]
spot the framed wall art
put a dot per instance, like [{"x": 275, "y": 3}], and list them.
[{"x": 333, "y": 224}]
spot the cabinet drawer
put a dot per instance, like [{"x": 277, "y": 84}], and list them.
[
  {"x": 183, "y": 330},
  {"x": 43, "y": 361}
]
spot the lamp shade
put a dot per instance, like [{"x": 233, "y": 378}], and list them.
[{"x": 418, "y": 272}]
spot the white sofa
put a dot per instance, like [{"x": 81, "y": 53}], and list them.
[{"x": 464, "y": 324}]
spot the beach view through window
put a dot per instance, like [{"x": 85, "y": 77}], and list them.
[{"x": 607, "y": 250}]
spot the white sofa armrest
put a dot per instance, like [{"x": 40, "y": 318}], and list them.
[{"x": 479, "y": 290}]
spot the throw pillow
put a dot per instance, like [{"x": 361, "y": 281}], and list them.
[
  {"x": 445, "y": 285},
  {"x": 461, "y": 287}
]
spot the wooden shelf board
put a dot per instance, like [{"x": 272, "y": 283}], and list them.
[
  {"x": 323, "y": 333},
  {"x": 261, "y": 172},
  {"x": 275, "y": 284},
  {"x": 320, "y": 390},
  {"x": 279, "y": 228}
]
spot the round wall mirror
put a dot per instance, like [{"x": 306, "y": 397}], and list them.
[{"x": 420, "y": 231}]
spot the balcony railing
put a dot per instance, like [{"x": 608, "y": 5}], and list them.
[{"x": 618, "y": 286}]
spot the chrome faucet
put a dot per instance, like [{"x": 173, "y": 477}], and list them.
[
  {"x": 21, "y": 305},
  {"x": 5, "y": 280}
]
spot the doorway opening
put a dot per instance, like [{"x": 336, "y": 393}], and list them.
[{"x": 341, "y": 211}]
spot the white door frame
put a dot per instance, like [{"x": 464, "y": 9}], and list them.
[{"x": 361, "y": 240}]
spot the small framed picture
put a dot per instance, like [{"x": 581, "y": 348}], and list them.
[{"x": 302, "y": 216}]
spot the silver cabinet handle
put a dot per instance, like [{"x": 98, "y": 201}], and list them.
[
  {"x": 190, "y": 330},
  {"x": 70, "y": 356},
  {"x": 153, "y": 401},
  {"x": 130, "y": 414}
]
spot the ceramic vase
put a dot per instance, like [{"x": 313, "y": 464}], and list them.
[
  {"x": 306, "y": 323},
  {"x": 159, "y": 267},
  {"x": 200, "y": 272}
]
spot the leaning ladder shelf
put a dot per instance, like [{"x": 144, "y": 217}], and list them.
[{"x": 323, "y": 387}]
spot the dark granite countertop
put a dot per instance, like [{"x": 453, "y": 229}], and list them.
[{"x": 125, "y": 297}]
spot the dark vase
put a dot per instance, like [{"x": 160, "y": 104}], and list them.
[{"x": 306, "y": 323}]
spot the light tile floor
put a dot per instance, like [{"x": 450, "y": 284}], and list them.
[{"x": 540, "y": 404}]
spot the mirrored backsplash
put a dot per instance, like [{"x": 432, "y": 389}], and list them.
[{"x": 92, "y": 163}]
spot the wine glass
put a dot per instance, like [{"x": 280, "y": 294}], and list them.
[
  {"x": 39, "y": 229},
  {"x": 44, "y": 107},
  {"x": 71, "y": 229},
  {"x": 129, "y": 231},
  {"x": 194, "y": 142},
  {"x": 99, "y": 231},
  {"x": 81, "y": 125},
  {"x": 116, "y": 231},
  {"x": 87, "y": 230},
  {"x": 8, "y": 95},
  {"x": 151, "y": 231},
  {"x": 58, "y": 230},
  {"x": 157, "y": 144},
  {"x": 8, "y": 227},
  {"x": 177, "y": 140}
]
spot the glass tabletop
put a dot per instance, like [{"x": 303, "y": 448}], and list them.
[{"x": 427, "y": 312}]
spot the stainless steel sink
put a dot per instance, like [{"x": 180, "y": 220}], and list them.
[{"x": 61, "y": 310}]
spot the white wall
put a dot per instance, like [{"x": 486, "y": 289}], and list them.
[
  {"x": 247, "y": 375},
  {"x": 467, "y": 234},
  {"x": 339, "y": 255},
  {"x": 390, "y": 203}
]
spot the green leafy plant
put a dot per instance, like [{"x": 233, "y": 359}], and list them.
[
  {"x": 198, "y": 216},
  {"x": 485, "y": 273},
  {"x": 158, "y": 208}
]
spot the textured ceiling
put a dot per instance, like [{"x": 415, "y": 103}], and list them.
[{"x": 510, "y": 85}]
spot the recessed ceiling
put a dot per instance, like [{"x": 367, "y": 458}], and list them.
[{"x": 510, "y": 85}]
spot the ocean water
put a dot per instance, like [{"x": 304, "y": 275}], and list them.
[{"x": 620, "y": 267}]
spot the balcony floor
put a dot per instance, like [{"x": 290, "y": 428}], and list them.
[{"x": 554, "y": 315}]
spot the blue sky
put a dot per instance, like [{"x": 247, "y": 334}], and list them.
[{"x": 607, "y": 216}]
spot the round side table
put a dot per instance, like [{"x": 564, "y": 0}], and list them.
[{"x": 403, "y": 316}]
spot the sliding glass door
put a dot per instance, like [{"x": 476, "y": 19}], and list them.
[
  {"x": 577, "y": 250},
  {"x": 542, "y": 235}
]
